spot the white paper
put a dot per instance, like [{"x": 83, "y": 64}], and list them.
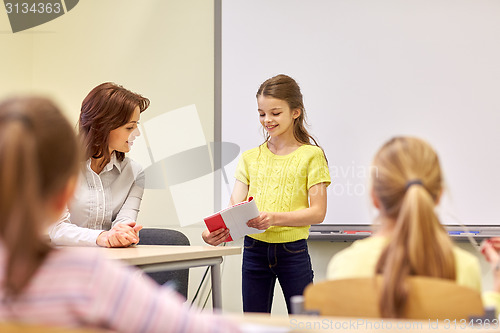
[{"x": 236, "y": 218}]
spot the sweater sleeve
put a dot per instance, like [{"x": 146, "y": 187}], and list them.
[
  {"x": 242, "y": 173},
  {"x": 124, "y": 300},
  {"x": 318, "y": 169}
]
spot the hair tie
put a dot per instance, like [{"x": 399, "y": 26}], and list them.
[
  {"x": 413, "y": 182},
  {"x": 17, "y": 117}
]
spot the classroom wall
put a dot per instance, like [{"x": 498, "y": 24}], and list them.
[
  {"x": 16, "y": 59},
  {"x": 162, "y": 49}
]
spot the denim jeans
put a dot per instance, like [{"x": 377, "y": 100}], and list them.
[{"x": 264, "y": 262}]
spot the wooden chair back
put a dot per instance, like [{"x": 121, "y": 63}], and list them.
[{"x": 428, "y": 298}]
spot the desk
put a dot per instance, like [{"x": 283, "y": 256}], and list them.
[
  {"x": 156, "y": 258},
  {"x": 316, "y": 324},
  {"x": 11, "y": 327}
]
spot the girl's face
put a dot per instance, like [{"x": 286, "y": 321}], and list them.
[
  {"x": 121, "y": 139},
  {"x": 275, "y": 115}
]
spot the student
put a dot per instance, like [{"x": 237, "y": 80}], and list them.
[
  {"x": 110, "y": 189},
  {"x": 69, "y": 286},
  {"x": 406, "y": 186},
  {"x": 287, "y": 175}
]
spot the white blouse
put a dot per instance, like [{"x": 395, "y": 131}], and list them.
[{"x": 101, "y": 201}]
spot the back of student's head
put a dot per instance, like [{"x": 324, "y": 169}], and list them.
[
  {"x": 106, "y": 107},
  {"x": 38, "y": 157},
  {"x": 407, "y": 183}
]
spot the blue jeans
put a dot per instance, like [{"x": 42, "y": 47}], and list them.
[{"x": 264, "y": 262}]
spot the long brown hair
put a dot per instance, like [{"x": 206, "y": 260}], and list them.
[
  {"x": 106, "y": 107},
  {"x": 286, "y": 88},
  {"x": 38, "y": 154},
  {"x": 407, "y": 182}
]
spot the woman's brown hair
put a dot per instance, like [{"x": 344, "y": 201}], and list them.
[
  {"x": 286, "y": 88},
  {"x": 106, "y": 107},
  {"x": 39, "y": 155},
  {"x": 407, "y": 182}
]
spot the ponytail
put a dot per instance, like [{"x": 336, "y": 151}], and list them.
[
  {"x": 35, "y": 143},
  {"x": 20, "y": 205},
  {"x": 419, "y": 245}
]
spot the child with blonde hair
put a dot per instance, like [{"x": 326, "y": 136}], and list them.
[{"x": 407, "y": 184}]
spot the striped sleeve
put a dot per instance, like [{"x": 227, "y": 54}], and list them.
[{"x": 127, "y": 301}]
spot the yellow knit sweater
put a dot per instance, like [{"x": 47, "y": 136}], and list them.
[{"x": 280, "y": 183}]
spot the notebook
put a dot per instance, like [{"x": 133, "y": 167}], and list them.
[{"x": 235, "y": 219}]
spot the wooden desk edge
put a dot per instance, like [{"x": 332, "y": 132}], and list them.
[
  {"x": 149, "y": 254},
  {"x": 317, "y": 324}
]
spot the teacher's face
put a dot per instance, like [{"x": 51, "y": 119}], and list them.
[{"x": 121, "y": 139}]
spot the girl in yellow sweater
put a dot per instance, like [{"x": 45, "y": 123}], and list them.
[{"x": 287, "y": 176}]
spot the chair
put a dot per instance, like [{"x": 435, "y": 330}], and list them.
[
  {"x": 428, "y": 298},
  {"x": 152, "y": 236}
]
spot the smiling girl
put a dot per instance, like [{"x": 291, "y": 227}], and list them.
[
  {"x": 107, "y": 200},
  {"x": 287, "y": 176}
]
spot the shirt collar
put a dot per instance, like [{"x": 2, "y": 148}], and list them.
[{"x": 112, "y": 162}]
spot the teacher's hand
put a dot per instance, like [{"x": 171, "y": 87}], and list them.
[{"x": 121, "y": 235}]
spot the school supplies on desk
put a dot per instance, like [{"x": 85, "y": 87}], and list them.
[{"x": 235, "y": 219}]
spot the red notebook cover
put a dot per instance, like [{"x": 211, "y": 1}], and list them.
[{"x": 215, "y": 222}]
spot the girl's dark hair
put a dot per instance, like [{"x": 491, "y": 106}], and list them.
[
  {"x": 106, "y": 107},
  {"x": 285, "y": 88},
  {"x": 39, "y": 155}
]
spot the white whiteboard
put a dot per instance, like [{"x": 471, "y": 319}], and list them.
[{"x": 369, "y": 70}]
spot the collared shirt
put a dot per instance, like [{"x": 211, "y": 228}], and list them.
[{"x": 101, "y": 201}]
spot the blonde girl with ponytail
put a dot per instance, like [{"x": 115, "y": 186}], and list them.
[
  {"x": 67, "y": 287},
  {"x": 407, "y": 183}
]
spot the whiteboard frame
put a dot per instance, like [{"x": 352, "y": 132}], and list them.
[{"x": 218, "y": 115}]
